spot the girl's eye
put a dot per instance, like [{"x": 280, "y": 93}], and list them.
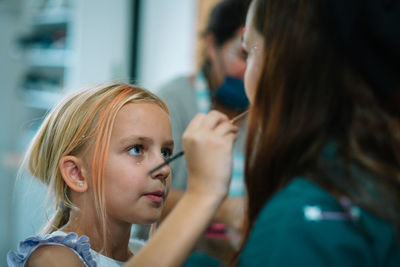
[
  {"x": 166, "y": 153},
  {"x": 136, "y": 150}
]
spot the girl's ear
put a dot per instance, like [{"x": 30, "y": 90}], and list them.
[{"x": 71, "y": 171}]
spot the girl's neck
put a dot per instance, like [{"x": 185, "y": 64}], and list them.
[{"x": 117, "y": 238}]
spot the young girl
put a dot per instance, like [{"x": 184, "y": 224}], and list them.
[{"x": 94, "y": 151}]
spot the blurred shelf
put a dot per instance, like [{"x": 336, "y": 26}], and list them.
[
  {"x": 41, "y": 99},
  {"x": 12, "y": 159},
  {"x": 45, "y": 54},
  {"x": 48, "y": 57},
  {"x": 9, "y": 6},
  {"x": 52, "y": 16}
]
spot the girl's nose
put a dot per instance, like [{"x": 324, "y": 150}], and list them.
[{"x": 161, "y": 173}]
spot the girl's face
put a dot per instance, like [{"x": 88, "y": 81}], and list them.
[
  {"x": 140, "y": 140},
  {"x": 253, "y": 43}
]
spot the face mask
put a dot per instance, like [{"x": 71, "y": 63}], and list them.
[{"x": 232, "y": 94}]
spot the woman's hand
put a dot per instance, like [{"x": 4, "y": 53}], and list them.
[{"x": 208, "y": 145}]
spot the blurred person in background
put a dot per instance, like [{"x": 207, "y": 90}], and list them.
[{"x": 218, "y": 85}]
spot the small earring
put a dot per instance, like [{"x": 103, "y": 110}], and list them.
[{"x": 80, "y": 184}]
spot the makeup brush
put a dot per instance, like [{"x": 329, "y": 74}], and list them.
[
  {"x": 181, "y": 153},
  {"x": 239, "y": 117}
]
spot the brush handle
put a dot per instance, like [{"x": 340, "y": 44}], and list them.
[
  {"x": 239, "y": 117},
  {"x": 166, "y": 162},
  {"x": 233, "y": 121}
]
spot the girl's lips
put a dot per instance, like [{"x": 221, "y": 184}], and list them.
[{"x": 157, "y": 196}]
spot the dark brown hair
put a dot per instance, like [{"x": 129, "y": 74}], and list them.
[
  {"x": 309, "y": 96},
  {"x": 225, "y": 19}
]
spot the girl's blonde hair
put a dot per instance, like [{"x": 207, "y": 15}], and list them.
[{"x": 85, "y": 117}]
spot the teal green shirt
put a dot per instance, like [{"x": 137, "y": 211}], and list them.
[{"x": 289, "y": 231}]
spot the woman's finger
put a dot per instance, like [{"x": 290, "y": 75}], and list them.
[
  {"x": 196, "y": 122},
  {"x": 226, "y": 128},
  {"x": 214, "y": 118}
]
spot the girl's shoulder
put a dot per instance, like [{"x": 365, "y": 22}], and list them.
[{"x": 52, "y": 246}]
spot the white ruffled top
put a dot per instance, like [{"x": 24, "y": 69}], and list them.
[{"x": 80, "y": 245}]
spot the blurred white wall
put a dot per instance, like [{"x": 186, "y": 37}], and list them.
[
  {"x": 101, "y": 43},
  {"x": 166, "y": 41},
  {"x": 10, "y": 116}
]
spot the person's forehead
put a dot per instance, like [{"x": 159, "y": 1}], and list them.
[
  {"x": 141, "y": 114},
  {"x": 142, "y": 120}
]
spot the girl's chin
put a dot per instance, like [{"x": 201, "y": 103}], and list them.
[{"x": 149, "y": 220}]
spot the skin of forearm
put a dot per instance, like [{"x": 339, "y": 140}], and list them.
[
  {"x": 172, "y": 200},
  {"x": 177, "y": 235},
  {"x": 223, "y": 214},
  {"x": 231, "y": 212}
]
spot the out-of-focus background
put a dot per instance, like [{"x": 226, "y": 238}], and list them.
[{"x": 49, "y": 48}]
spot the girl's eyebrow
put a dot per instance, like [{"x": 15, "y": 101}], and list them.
[
  {"x": 134, "y": 138},
  {"x": 143, "y": 139},
  {"x": 169, "y": 143}
]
